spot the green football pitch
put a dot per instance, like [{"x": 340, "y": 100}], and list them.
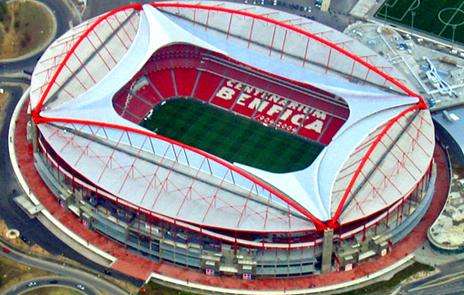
[
  {"x": 231, "y": 137},
  {"x": 440, "y": 18}
]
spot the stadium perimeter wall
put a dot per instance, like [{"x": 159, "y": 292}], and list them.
[
  {"x": 44, "y": 216},
  {"x": 98, "y": 256},
  {"x": 95, "y": 252},
  {"x": 162, "y": 241}
]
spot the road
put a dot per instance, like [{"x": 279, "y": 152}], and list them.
[
  {"x": 32, "y": 231},
  {"x": 30, "y": 285},
  {"x": 97, "y": 7},
  {"x": 338, "y": 18},
  {"x": 63, "y": 16},
  {"x": 77, "y": 275},
  {"x": 450, "y": 280}
]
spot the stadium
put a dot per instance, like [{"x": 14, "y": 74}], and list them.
[{"x": 231, "y": 139}]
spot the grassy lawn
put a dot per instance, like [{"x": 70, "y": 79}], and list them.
[
  {"x": 388, "y": 286},
  {"x": 19, "y": 244},
  {"x": 53, "y": 291},
  {"x": 39, "y": 251},
  {"x": 4, "y": 97},
  {"x": 435, "y": 17},
  {"x": 152, "y": 288},
  {"x": 24, "y": 26},
  {"x": 12, "y": 273},
  {"x": 232, "y": 137}
]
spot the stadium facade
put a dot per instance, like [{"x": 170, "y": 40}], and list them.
[{"x": 366, "y": 188}]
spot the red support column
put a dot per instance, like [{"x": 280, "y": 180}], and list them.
[
  {"x": 387, "y": 218},
  {"x": 207, "y": 20},
  {"x": 306, "y": 52},
  {"x": 73, "y": 183},
  {"x": 328, "y": 60},
  {"x": 271, "y": 46},
  {"x": 228, "y": 27},
  {"x": 283, "y": 45},
  {"x": 251, "y": 32}
]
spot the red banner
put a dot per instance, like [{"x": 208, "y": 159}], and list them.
[{"x": 271, "y": 109}]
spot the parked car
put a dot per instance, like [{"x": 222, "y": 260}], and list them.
[
  {"x": 32, "y": 284},
  {"x": 80, "y": 287}
]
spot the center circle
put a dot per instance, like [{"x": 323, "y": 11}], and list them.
[
  {"x": 415, "y": 5},
  {"x": 448, "y": 16}
]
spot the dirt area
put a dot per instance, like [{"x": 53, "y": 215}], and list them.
[
  {"x": 12, "y": 273},
  {"x": 414, "y": 271},
  {"x": 4, "y": 97},
  {"x": 458, "y": 170},
  {"x": 24, "y": 26},
  {"x": 19, "y": 244},
  {"x": 153, "y": 288},
  {"x": 39, "y": 251},
  {"x": 53, "y": 291}
]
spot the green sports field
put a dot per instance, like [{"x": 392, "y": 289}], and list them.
[
  {"x": 231, "y": 137},
  {"x": 440, "y": 18}
]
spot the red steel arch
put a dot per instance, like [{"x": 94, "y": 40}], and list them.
[
  {"x": 335, "y": 218},
  {"x": 296, "y": 29},
  {"x": 317, "y": 222},
  {"x": 85, "y": 34},
  {"x": 320, "y": 225},
  {"x": 333, "y": 222}
]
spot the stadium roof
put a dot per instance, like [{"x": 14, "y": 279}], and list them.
[{"x": 375, "y": 159}]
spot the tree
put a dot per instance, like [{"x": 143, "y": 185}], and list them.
[{"x": 3, "y": 10}]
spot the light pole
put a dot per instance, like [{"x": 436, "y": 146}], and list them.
[{"x": 413, "y": 14}]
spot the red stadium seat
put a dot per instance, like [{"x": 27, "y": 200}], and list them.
[
  {"x": 331, "y": 130},
  {"x": 185, "y": 81},
  {"x": 207, "y": 85},
  {"x": 138, "y": 108},
  {"x": 149, "y": 95},
  {"x": 185, "y": 70},
  {"x": 163, "y": 80}
]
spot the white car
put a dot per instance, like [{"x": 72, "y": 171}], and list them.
[
  {"x": 32, "y": 284},
  {"x": 80, "y": 287}
]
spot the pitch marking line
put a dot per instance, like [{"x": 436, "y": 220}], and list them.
[
  {"x": 451, "y": 18},
  {"x": 413, "y": 6}
]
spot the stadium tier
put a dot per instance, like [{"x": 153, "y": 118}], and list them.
[
  {"x": 188, "y": 71},
  {"x": 231, "y": 139}
]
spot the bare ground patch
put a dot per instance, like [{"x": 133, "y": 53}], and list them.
[{"x": 24, "y": 26}]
